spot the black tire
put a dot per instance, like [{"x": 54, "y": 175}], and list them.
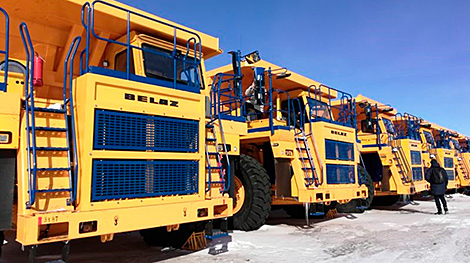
[
  {"x": 159, "y": 236},
  {"x": 359, "y": 205},
  {"x": 257, "y": 204}
]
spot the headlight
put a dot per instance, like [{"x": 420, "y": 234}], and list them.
[{"x": 5, "y": 137}]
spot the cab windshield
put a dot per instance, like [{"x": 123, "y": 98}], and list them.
[
  {"x": 429, "y": 138},
  {"x": 456, "y": 144},
  {"x": 319, "y": 109},
  {"x": 159, "y": 64}
]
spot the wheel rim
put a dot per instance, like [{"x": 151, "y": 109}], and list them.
[{"x": 239, "y": 195}]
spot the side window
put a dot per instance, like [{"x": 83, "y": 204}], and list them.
[
  {"x": 456, "y": 144},
  {"x": 120, "y": 62},
  {"x": 319, "y": 109},
  {"x": 367, "y": 128}
]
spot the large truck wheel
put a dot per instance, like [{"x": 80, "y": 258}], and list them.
[
  {"x": 159, "y": 236},
  {"x": 359, "y": 205},
  {"x": 252, "y": 194}
]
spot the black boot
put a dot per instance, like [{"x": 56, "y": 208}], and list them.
[
  {"x": 438, "y": 212},
  {"x": 446, "y": 210}
]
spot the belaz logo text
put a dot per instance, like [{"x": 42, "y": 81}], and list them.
[
  {"x": 171, "y": 103},
  {"x": 338, "y": 133}
]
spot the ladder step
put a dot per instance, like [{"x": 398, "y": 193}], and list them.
[
  {"x": 56, "y": 129},
  {"x": 52, "y": 148},
  {"x": 54, "y": 169},
  {"x": 211, "y": 139},
  {"x": 216, "y": 182},
  {"x": 304, "y": 158},
  {"x": 225, "y": 90},
  {"x": 54, "y": 190},
  {"x": 227, "y": 102},
  {"x": 214, "y": 167},
  {"x": 49, "y": 110},
  {"x": 213, "y": 153},
  {"x": 209, "y": 125},
  {"x": 302, "y": 149}
]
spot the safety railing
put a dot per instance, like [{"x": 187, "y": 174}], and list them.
[
  {"x": 223, "y": 160},
  {"x": 190, "y": 66},
  {"x": 29, "y": 111},
  {"x": 30, "y": 122},
  {"x": 302, "y": 139},
  {"x": 407, "y": 126},
  {"x": 443, "y": 140},
  {"x": 377, "y": 127},
  {"x": 399, "y": 126},
  {"x": 413, "y": 126},
  {"x": 463, "y": 162},
  {"x": 5, "y": 52},
  {"x": 403, "y": 164},
  {"x": 227, "y": 101},
  {"x": 68, "y": 104},
  {"x": 298, "y": 113},
  {"x": 320, "y": 110},
  {"x": 465, "y": 146}
]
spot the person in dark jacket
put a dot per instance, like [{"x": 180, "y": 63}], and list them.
[{"x": 437, "y": 177}]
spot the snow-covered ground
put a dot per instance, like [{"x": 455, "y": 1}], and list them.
[{"x": 402, "y": 233}]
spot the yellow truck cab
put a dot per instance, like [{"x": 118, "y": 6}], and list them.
[
  {"x": 391, "y": 150},
  {"x": 305, "y": 159},
  {"x": 103, "y": 125}
]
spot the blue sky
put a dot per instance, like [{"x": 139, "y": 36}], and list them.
[{"x": 414, "y": 55}]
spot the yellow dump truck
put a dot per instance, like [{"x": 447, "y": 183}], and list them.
[
  {"x": 103, "y": 125},
  {"x": 391, "y": 149},
  {"x": 440, "y": 144},
  {"x": 294, "y": 154}
]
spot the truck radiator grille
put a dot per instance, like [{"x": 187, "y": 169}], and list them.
[
  {"x": 417, "y": 173},
  {"x": 120, "y": 179},
  {"x": 139, "y": 132},
  {"x": 340, "y": 174}
]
